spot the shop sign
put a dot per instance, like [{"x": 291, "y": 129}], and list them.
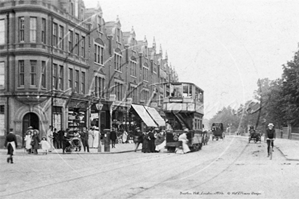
[{"x": 58, "y": 102}]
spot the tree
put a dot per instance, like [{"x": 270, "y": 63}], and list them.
[
  {"x": 227, "y": 116},
  {"x": 290, "y": 91},
  {"x": 269, "y": 97}
]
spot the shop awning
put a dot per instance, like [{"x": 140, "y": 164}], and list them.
[
  {"x": 141, "y": 111},
  {"x": 155, "y": 116}
]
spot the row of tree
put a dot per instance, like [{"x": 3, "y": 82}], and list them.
[{"x": 275, "y": 101}]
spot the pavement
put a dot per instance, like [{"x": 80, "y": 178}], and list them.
[
  {"x": 119, "y": 148},
  {"x": 288, "y": 148}
]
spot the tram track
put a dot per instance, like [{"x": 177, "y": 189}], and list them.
[
  {"x": 191, "y": 170},
  {"x": 123, "y": 164},
  {"x": 173, "y": 178}
]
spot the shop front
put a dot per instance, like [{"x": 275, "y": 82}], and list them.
[
  {"x": 104, "y": 109},
  {"x": 77, "y": 115}
]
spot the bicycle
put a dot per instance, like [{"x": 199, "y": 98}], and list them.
[{"x": 270, "y": 149}]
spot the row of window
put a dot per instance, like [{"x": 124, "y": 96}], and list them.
[
  {"x": 76, "y": 46},
  {"x": 75, "y": 81}
]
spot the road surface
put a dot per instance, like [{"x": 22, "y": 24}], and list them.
[{"x": 229, "y": 168}]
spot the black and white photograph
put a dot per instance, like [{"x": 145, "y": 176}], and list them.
[{"x": 117, "y": 99}]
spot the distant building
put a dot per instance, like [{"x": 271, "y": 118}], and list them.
[{"x": 59, "y": 60}]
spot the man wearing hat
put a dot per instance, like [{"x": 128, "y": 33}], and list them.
[
  {"x": 11, "y": 145},
  {"x": 270, "y": 136},
  {"x": 138, "y": 139}
]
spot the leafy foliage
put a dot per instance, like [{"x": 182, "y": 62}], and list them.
[
  {"x": 290, "y": 91},
  {"x": 275, "y": 101}
]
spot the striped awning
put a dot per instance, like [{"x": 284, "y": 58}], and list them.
[
  {"x": 142, "y": 112},
  {"x": 155, "y": 116}
]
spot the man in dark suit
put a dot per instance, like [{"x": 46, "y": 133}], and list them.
[
  {"x": 11, "y": 145},
  {"x": 113, "y": 137},
  {"x": 84, "y": 135}
]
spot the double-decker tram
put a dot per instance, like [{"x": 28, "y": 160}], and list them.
[{"x": 183, "y": 108}]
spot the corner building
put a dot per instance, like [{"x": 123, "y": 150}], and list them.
[{"x": 59, "y": 60}]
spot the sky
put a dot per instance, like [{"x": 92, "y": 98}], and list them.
[{"x": 222, "y": 46}]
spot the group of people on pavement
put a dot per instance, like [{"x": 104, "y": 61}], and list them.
[
  {"x": 114, "y": 138},
  {"x": 82, "y": 138},
  {"x": 152, "y": 140},
  {"x": 32, "y": 140}
]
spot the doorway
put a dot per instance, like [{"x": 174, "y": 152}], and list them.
[{"x": 30, "y": 119}]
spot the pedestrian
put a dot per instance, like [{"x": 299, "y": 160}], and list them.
[
  {"x": 160, "y": 142},
  {"x": 168, "y": 126},
  {"x": 138, "y": 138},
  {"x": 146, "y": 139},
  {"x": 124, "y": 137},
  {"x": 45, "y": 146},
  {"x": 28, "y": 139},
  {"x": 65, "y": 141},
  {"x": 35, "y": 141},
  {"x": 55, "y": 138},
  {"x": 60, "y": 137},
  {"x": 50, "y": 137},
  {"x": 84, "y": 138},
  {"x": 11, "y": 145},
  {"x": 184, "y": 140},
  {"x": 113, "y": 137},
  {"x": 96, "y": 137},
  {"x": 152, "y": 140},
  {"x": 91, "y": 137}
]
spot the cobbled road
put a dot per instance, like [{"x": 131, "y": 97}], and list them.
[{"x": 229, "y": 168}]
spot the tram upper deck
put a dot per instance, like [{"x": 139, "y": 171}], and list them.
[{"x": 183, "y": 96}]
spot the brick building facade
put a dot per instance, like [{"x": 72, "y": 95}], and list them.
[{"x": 60, "y": 60}]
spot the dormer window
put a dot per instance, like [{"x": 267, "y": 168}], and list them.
[
  {"x": 146, "y": 51},
  {"x": 76, "y": 9},
  {"x": 117, "y": 60},
  {"x": 99, "y": 27},
  {"x": 118, "y": 35},
  {"x": 133, "y": 66},
  {"x": 72, "y": 8},
  {"x": 145, "y": 72},
  {"x": 154, "y": 68}
]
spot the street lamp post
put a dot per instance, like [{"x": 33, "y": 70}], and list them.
[{"x": 99, "y": 106}]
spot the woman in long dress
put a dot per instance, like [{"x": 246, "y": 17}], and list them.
[
  {"x": 91, "y": 138},
  {"x": 35, "y": 141},
  {"x": 28, "y": 140},
  {"x": 184, "y": 140},
  {"x": 160, "y": 142},
  {"x": 50, "y": 138},
  {"x": 146, "y": 140},
  {"x": 96, "y": 138},
  {"x": 124, "y": 137}
]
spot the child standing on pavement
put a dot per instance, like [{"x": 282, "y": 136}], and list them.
[{"x": 45, "y": 146}]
